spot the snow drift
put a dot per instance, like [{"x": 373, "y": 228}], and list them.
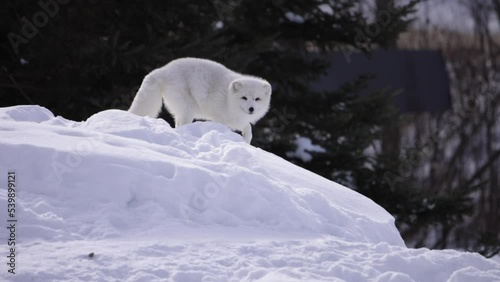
[{"x": 191, "y": 204}]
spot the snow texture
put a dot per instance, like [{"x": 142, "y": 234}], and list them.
[
  {"x": 304, "y": 148},
  {"x": 152, "y": 203}
]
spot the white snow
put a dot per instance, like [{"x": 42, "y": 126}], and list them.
[
  {"x": 190, "y": 204},
  {"x": 325, "y": 8},
  {"x": 295, "y": 18},
  {"x": 219, "y": 25},
  {"x": 304, "y": 148}
]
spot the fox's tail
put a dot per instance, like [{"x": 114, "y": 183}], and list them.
[{"x": 148, "y": 100}]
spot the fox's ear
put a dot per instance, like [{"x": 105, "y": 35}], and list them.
[
  {"x": 236, "y": 86},
  {"x": 267, "y": 88}
]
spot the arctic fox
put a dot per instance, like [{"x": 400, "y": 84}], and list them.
[{"x": 199, "y": 88}]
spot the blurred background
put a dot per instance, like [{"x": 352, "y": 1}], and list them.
[{"x": 397, "y": 100}]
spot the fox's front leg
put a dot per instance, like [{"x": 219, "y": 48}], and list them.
[{"x": 247, "y": 133}]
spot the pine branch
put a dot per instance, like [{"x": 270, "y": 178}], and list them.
[
  {"x": 481, "y": 170},
  {"x": 20, "y": 90}
]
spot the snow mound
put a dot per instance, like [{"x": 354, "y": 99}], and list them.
[
  {"x": 191, "y": 204},
  {"x": 132, "y": 168}
]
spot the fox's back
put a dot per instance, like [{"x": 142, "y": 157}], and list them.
[{"x": 199, "y": 73}]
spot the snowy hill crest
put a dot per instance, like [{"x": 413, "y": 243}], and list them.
[{"x": 117, "y": 177}]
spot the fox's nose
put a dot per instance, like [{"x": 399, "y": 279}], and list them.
[{"x": 251, "y": 109}]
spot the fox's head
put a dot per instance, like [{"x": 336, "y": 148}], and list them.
[{"x": 251, "y": 95}]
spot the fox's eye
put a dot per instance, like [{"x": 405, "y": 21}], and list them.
[
  {"x": 257, "y": 99},
  {"x": 244, "y": 98}
]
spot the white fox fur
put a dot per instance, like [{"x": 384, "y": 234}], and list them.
[{"x": 199, "y": 88}]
